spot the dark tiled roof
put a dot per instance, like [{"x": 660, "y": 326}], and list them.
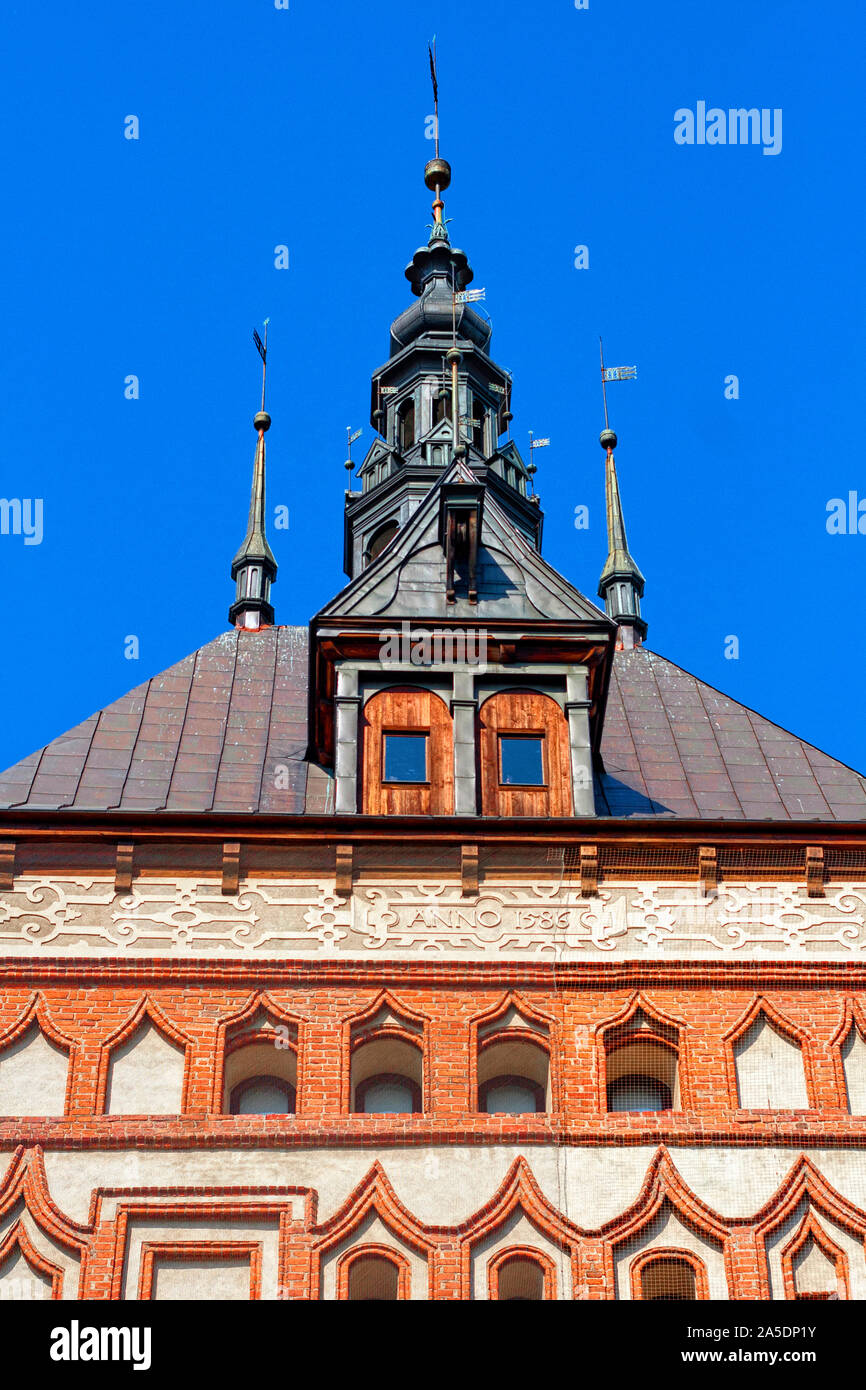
[
  {"x": 675, "y": 746},
  {"x": 225, "y": 730}
]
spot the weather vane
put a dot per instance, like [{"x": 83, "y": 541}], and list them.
[
  {"x": 532, "y": 468},
  {"x": 351, "y": 438},
  {"x": 612, "y": 374},
  {"x": 434, "y": 75},
  {"x": 263, "y": 353}
]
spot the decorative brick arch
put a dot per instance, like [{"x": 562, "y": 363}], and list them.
[
  {"x": 518, "y": 1192},
  {"x": 853, "y": 1016},
  {"x": 18, "y": 1239},
  {"x": 146, "y": 1009},
  {"x": 804, "y": 1181},
  {"x": 261, "y": 1001},
  {"x": 665, "y": 1253},
  {"x": 789, "y": 1030},
  {"x": 410, "y": 1027},
  {"x": 662, "y": 1186},
  {"x": 373, "y": 1195},
  {"x": 36, "y": 1014},
  {"x": 543, "y": 1033},
  {"x": 25, "y": 1183},
  {"x": 669, "y": 1032},
  {"x": 810, "y": 1227}
]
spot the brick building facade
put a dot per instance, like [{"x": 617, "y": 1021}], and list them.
[{"x": 457, "y": 946}]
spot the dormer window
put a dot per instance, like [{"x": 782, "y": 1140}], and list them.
[
  {"x": 404, "y": 757},
  {"x": 521, "y": 760},
  {"x": 406, "y": 425}
]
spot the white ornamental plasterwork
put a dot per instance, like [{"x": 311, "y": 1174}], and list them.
[
  {"x": 176, "y": 917},
  {"x": 393, "y": 918}
]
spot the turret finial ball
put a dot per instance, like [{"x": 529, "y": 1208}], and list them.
[
  {"x": 262, "y": 421},
  {"x": 437, "y": 174},
  {"x": 607, "y": 439}
]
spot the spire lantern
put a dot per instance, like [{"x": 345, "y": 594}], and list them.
[{"x": 254, "y": 568}]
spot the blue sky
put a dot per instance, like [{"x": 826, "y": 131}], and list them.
[{"x": 305, "y": 127}]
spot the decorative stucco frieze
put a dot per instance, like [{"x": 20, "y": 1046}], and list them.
[{"x": 395, "y": 919}]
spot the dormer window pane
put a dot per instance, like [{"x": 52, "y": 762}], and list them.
[
  {"x": 521, "y": 762},
  {"x": 405, "y": 758}
]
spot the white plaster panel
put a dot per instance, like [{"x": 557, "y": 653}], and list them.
[
  {"x": 446, "y": 1185},
  {"x": 194, "y": 1280},
  {"x": 225, "y": 1230},
  {"x": 33, "y": 1074},
  {"x": 769, "y": 1070},
  {"x": 19, "y": 1283},
  {"x": 145, "y": 1075},
  {"x": 854, "y": 1059}
]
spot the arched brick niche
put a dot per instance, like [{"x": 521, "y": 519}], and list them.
[
  {"x": 408, "y": 759},
  {"x": 669, "y": 1275},
  {"x": 524, "y": 755}
]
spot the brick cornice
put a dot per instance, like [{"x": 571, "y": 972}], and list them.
[
  {"x": 453, "y": 972},
  {"x": 799, "y": 1129}
]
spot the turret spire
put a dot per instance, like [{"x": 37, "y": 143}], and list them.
[
  {"x": 254, "y": 568},
  {"x": 621, "y": 584}
]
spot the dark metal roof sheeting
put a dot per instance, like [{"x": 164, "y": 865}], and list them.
[{"x": 225, "y": 730}]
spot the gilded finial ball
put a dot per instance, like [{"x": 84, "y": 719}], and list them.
[
  {"x": 607, "y": 439},
  {"x": 453, "y": 355},
  {"x": 262, "y": 421},
  {"x": 437, "y": 174}
]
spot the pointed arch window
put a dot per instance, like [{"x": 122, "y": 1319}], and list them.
[
  {"x": 479, "y": 414},
  {"x": 260, "y": 1068},
  {"x": 642, "y": 1065},
  {"x": 406, "y": 425}
]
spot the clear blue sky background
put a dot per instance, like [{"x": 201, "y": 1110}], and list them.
[{"x": 306, "y": 127}]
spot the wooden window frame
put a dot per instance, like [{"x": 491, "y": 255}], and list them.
[
  {"x": 405, "y": 733},
  {"x": 539, "y": 736}
]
